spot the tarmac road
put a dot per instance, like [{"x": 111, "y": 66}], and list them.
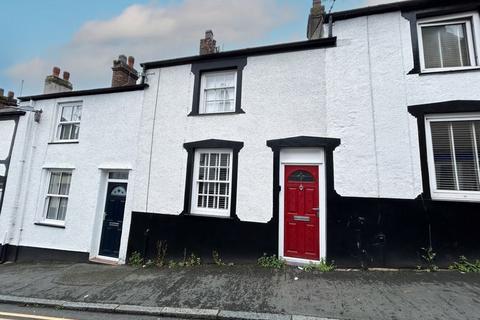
[{"x": 14, "y": 312}]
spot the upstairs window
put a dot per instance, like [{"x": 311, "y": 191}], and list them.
[
  {"x": 212, "y": 182},
  {"x": 68, "y": 128},
  {"x": 454, "y": 144},
  {"x": 448, "y": 43},
  {"x": 218, "y": 92}
]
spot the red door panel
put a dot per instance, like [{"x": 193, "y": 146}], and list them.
[{"x": 301, "y": 203}]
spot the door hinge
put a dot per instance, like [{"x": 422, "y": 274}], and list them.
[{"x": 279, "y": 188}]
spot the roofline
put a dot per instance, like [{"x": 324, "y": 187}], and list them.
[
  {"x": 256, "y": 51},
  {"x": 11, "y": 113},
  {"x": 404, "y": 5},
  {"x": 88, "y": 92}
]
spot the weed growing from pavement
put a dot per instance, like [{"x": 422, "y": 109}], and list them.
[
  {"x": 463, "y": 265},
  {"x": 322, "y": 266},
  {"x": 135, "y": 259},
  {"x": 271, "y": 262},
  {"x": 190, "y": 261},
  {"x": 218, "y": 261},
  {"x": 428, "y": 257},
  {"x": 161, "y": 253}
]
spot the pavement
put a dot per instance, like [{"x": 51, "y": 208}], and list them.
[{"x": 244, "y": 291}]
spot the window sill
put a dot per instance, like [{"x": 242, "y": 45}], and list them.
[
  {"x": 195, "y": 114},
  {"x": 48, "y": 224},
  {"x": 64, "y": 142},
  {"x": 453, "y": 70},
  {"x": 203, "y": 215}
]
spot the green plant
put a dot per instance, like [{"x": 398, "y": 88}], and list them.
[
  {"x": 322, "y": 266},
  {"x": 190, "y": 261},
  {"x": 135, "y": 259},
  {"x": 216, "y": 258},
  {"x": 463, "y": 265},
  {"x": 428, "y": 257},
  {"x": 271, "y": 262},
  {"x": 159, "y": 259}
]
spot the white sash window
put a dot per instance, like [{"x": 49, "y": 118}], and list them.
[
  {"x": 212, "y": 184},
  {"x": 218, "y": 92}
]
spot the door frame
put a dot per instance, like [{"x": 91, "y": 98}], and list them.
[
  {"x": 303, "y": 157},
  {"x": 98, "y": 224}
]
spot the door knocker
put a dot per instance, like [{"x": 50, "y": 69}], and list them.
[{"x": 300, "y": 187}]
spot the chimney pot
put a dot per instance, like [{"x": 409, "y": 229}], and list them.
[
  {"x": 122, "y": 58},
  {"x": 124, "y": 74},
  {"x": 56, "y": 71},
  {"x": 131, "y": 61},
  {"x": 11, "y": 94},
  {"x": 66, "y": 75},
  {"x": 208, "y": 45},
  {"x": 1, "y": 92}
]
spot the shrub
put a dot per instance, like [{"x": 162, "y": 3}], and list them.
[
  {"x": 322, "y": 266},
  {"x": 159, "y": 260},
  {"x": 271, "y": 262},
  {"x": 135, "y": 259},
  {"x": 463, "y": 265},
  {"x": 428, "y": 257}
]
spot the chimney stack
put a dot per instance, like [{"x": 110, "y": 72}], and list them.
[
  {"x": 54, "y": 83},
  {"x": 315, "y": 20},
  {"x": 124, "y": 74},
  {"x": 208, "y": 45},
  {"x": 7, "y": 101}
]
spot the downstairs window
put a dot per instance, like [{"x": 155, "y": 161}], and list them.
[
  {"x": 212, "y": 183},
  {"x": 453, "y": 144}
]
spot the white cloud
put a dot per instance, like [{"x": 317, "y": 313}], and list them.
[{"x": 151, "y": 32}]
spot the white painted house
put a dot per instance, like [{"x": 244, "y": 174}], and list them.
[{"x": 359, "y": 145}]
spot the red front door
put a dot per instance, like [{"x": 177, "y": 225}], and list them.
[{"x": 301, "y": 206}]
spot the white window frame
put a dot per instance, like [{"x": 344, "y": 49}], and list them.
[
  {"x": 452, "y": 195},
  {"x": 472, "y": 21},
  {"x": 194, "y": 209},
  {"x": 58, "y": 123},
  {"x": 55, "y": 222},
  {"x": 203, "y": 80}
]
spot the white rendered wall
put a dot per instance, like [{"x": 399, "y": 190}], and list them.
[
  {"x": 280, "y": 100},
  {"x": 357, "y": 91},
  {"x": 108, "y": 136}
]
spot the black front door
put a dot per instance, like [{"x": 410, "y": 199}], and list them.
[{"x": 113, "y": 219}]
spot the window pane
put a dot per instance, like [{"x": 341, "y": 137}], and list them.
[
  {"x": 53, "y": 205},
  {"x": 65, "y": 131},
  {"x": 443, "y": 156},
  {"x": 203, "y": 159},
  {"x": 77, "y": 113},
  {"x": 66, "y": 113},
  {"x": 62, "y": 210},
  {"x": 118, "y": 175},
  {"x": 445, "y": 46},
  {"x": 465, "y": 156},
  {"x": 74, "y": 133},
  {"x": 65, "y": 183},
  {"x": 224, "y": 160},
  {"x": 54, "y": 186}
]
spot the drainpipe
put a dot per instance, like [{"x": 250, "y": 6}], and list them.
[{"x": 20, "y": 194}]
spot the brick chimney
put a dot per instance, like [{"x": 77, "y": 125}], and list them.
[
  {"x": 315, "y": 20},
  {"x": 8, "y": 100},
  {"x": 208, "y": 45},
  {"x": 54, "y": 84},
  {"x": 124, "y": 74}
]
